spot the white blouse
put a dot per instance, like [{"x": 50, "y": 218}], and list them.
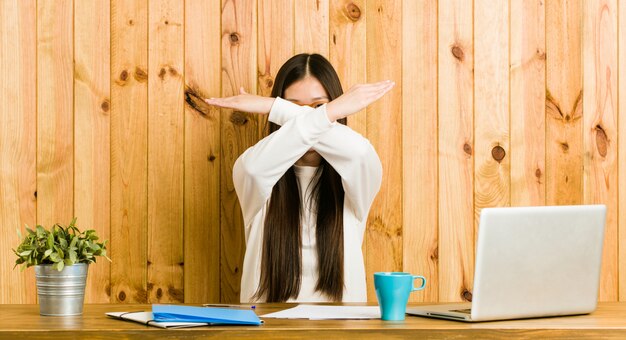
[{"x": 258, "y": 169}]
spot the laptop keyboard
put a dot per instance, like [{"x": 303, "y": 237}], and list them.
[{"x": 466, "y": 311}]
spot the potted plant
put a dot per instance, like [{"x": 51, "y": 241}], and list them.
[{"x": 61, "y": 256}]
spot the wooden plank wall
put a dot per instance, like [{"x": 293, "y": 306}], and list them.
[
  {"x": 496, "y": 103},
  {"x": 129, "y": 151},
  {"x": 92, "y": 130}
]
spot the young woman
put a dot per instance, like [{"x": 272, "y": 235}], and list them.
[{"x": 306, "y": 189}]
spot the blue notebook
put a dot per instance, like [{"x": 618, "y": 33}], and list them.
[{"x": 177, "y": 313}]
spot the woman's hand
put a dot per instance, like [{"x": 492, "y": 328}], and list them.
[
  {"x": 244, "y": 102},
  {"x": 357, "y": 98}
]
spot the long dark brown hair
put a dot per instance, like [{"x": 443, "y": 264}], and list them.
[{"x": 281, "y": 263}]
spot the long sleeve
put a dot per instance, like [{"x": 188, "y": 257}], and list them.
[
  {"x": 258, "y": 169},
  {"x": 349, "y": 153}
]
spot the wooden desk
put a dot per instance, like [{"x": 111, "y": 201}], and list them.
[{"x": 24, "y": 322}]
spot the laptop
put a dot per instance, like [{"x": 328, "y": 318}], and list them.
[{"x": 532, "y": 262}]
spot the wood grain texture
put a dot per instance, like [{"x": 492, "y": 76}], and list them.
[
  {"x": 23, "y": 322},
  {"x": 492, "y": 180},
  {"x": 456, "y": 150},
  {"x": 622, "y": 146},
  {"x": 348, "y": 50},
  {"x": 239, "y": 131},
  {"x": 311, "y": 24},
  {"x": 18, "y": 62},
  {"x": 202, "y": 154},
  {"x": 55, "y": 115},
  {"x": 600, "y": 127},
  {"x": 275, "y": 44},
  {"x": 419, "y": 144},
  {"x": 564, "y": 140},
  {"x": 165, "y": 150},
  {"x": 275, "y": 40},
  {"x": 92, "y": 108},
  {"x": 129, "y": 147},
  {"x": 491, "y": 107},
  {"x": 384, "y": 126},
  {"x": 527, "y": 102}
]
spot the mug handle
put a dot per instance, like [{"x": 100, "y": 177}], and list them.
[{"x": 423, "y": 282}]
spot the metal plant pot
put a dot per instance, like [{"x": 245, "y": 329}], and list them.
[{"x": 61, "y": 293}]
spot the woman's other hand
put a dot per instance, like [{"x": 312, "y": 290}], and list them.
[
  {"x": 244, "y": 102},
  {"x": 357, "y": 98}
]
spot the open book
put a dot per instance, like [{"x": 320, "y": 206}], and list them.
[
  {"x": 178, "y": 316},
  {"x": 147, "y": 319}
]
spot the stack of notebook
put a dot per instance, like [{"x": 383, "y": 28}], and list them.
[{"x": 175, "y": 316}]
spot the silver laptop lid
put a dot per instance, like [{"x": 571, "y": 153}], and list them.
[{"x": 538, "y": 261}]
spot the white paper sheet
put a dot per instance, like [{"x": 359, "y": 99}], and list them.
[{"x": 315, "y": 312}]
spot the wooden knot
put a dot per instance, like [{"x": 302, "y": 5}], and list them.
[
  {"x": 35, "y": 194},
  {"x": 541, "y": 55},
  {"x": 105, "y": 106},
  {"x": 498, "y": 153},
  {"x": 434, "y": 255},
  {"x": 467, "y": 149},
  {"x": 176, "y": 294},
  {"x": 238, "y": 118},
  {"x": 140, "y": 75},
  {"x": 269, "y": 83},
  {"x": 162, "y": 73},
  {"x": 121, "y": 296},
  {"x": 195, "y": 100},
  {"x": 353, "y": 11},
  {"x": 131, "y": 22},
  {"x": 166, "y": 22},
  {"x": 602, "y": 141},
  {"x": 234, "y": 38},
  {"x": 124, "y": 76},
  {"x": 159, "y": 293},
  {"x": 564, "y": 147},
  {"x": 466, "y": 295},
  {"x": 173, "y": 71},
  {"x": 211, "y": 158},
  {"x": 538, "y": 173},
  {"x": 458, "y": 53}
]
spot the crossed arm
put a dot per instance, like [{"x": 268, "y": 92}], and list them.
[{"x": 258, "y": 169}]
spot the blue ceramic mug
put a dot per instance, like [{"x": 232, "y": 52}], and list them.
[{"x": 393, "y": 290}]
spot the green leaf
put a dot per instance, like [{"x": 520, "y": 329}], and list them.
[
  {"x": 63, "y": 243},
  {"x": 74, "y": 241},
  {"x": 54, "y": 257},
  {"x": 50, "y": 240},
  {"x": 60, "y": 245}
]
